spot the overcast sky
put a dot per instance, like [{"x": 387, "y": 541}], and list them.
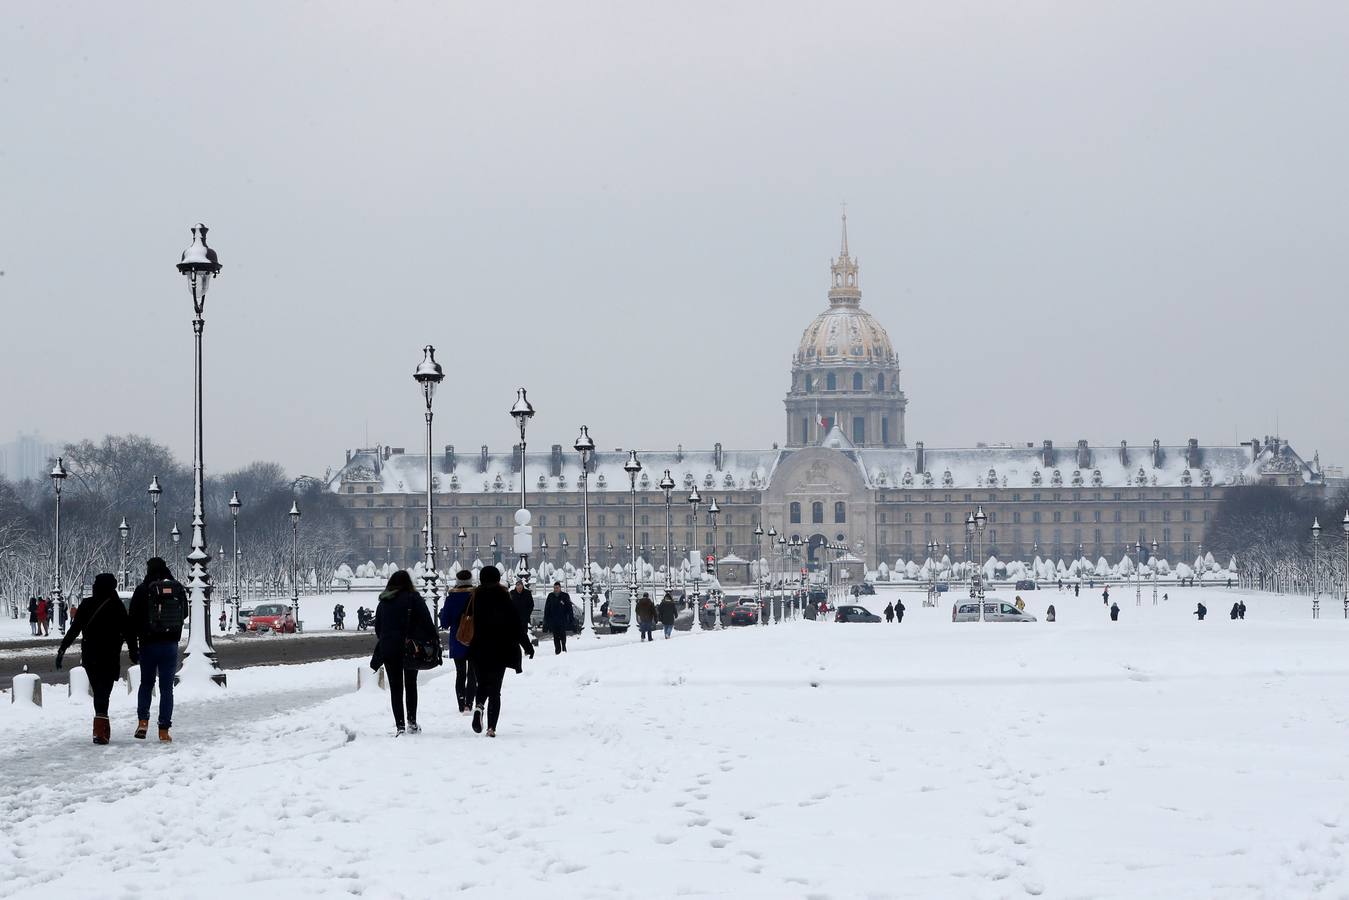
[{"x": 1076, "y": 220}]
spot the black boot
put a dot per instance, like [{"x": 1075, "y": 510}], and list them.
[{"x": 477, "y": 720}]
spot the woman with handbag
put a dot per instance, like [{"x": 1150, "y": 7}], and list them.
[
  {"x": 402, "y": 621},
  {"x": 101, "y": 623},
  {"x": 498, "y": 637}
]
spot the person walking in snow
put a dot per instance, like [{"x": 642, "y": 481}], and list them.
[
  {"x": 1105, "y": 596},
  {"x": 1050, "y": 614},
  {"x": 32, "y": 617},
  {"x": 339, "y": 618},
  {"x": 646, "y": 617},
  {"x": 158, "y": 610},
  {"x": 101, "y": 623},
  {"x": 1241, "y": 609},
  {"x": 889, "y": 612},
  {"x": 1114, "y": 612},
  {"x": 1234, "y": 613},
  {"x": 899, "y": 611},
  {"x": 523, "y": 601},
  {"x": 559, "y": 617},
  {"x": 1077, "y": 589},
  {"x": 61, "y": 613},
  {"x": 401, "y": 614},
  {"x": 498, "y": 638},
  {"x": 1201, "y": 610},
  {"x": 43, "y": 615},
  {"x": 666, "y": 611},
  {"x": 456, "y": 601}
]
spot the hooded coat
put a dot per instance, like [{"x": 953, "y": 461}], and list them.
[
  {"x": 646, "y": 610},
  {"x": 456, "y": 601},
  {"x": 498, "y": 633},
  {"x": 558, "y": 613},
  {"x": 101, "y": 624},
  {"x": 666, "y": 612},
  {"x": 401, "y": 613},
  {"x": 139, "y": 613}
]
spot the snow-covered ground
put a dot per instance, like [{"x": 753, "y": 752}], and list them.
[{"x": 1153, "y": 757}]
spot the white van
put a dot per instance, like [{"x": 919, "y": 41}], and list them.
[{"x": 994, "y": 611}]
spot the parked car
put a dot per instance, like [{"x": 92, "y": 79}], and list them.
[
  {"x": 942, "y": 587},
  {"x": 743, "y": 614},
  {"x": 272, "y": 617},
  {"x": 994, "y": 611},
  {"x": 1026, "y": 584},
  {"x": 864, "y": 589},
  {"x": 855, "y": 614}
]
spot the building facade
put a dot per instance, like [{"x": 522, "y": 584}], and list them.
[{"x": 844, "y": 475}]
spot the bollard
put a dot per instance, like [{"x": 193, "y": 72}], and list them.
[
  {"x": 133, "y": 680},
  {"x": 79, "y": 683},
  {"x": 26, "y": 690},
  {"x": 369, "y": 681}
]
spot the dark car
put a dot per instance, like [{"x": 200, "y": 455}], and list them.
[
  {"x": 864, "y": 589},
  {"x": 855, "y": 614},
  {"x": 1026, "y": 584},
  {"x": 743, "y": 614}
]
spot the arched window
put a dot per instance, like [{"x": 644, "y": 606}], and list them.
[
  {"x": 840, "y": 511},
  {"x": 856, "y": 381},
  {"x": 816, "y": 512},
  {"x": 880, "y": 383},
  {"x": 795, "y": 515},
  {"x": 831, "y": 382}
]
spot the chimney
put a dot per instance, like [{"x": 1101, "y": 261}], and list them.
[
  {"x": 348, "y": 456},
  {"x": 920, "y": 458},
  {"x": 515, "y": 458},
  {"x": 555, "y": 465},
  {"x": 679, "y": 453},
  {"x": 1083, "y": 455},
  {"x": 1047, "y": 455},
  {"x": 449, "y": 457},
  {"x": 1124, "y": 453},
  {"x": 386, "y": 454},
  {"x": 1255, "y": 449},
  {"x": 717, "y": 456},
  {"x": 1156, "y": 453},
  {"x": 482, "y": 459},
  {"x": 1192, "y": 454}
]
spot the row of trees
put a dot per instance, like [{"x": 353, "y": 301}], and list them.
[
  {"x": 1268, "y": 530},
  {"x": 108, "y": 481}
]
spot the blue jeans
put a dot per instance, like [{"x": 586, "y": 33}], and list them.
[
  {"x": 645, "y": 628},
  {"x": 668, "y": 629},
  {"x": 158, "y": 660}
]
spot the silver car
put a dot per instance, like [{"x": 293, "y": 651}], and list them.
[{"x": 994, "y": 611}]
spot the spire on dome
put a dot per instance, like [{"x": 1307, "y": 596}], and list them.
[
  {"x": 843, "y": 251},
  {"x": 843, "y": 290}
]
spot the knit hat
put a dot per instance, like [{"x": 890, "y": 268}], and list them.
[{"x": 463, "y": 579}]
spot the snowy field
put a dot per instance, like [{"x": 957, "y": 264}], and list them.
[{"x": 1153, "y": 757}]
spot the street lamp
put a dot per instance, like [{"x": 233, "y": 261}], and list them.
[
  {"x": 124, "y": 529},
  {"x": 1316, "y": 563},
  {"x": 1153, "y": 564},
  {"x": 200, "y": 265},
  {"x": 176, "y": 535},
  {"x": 462, "y": 536},
  {"x": 522, "y": 411},
  {"x": 58, "y": 477},
  {"x": 429, "y": 374},
  {"x": 667, "y": 485},
  {"x": 979, "y": 521},
  {"x": 1345, "y": 525},
  {"x": 782, "y": 567},
  {"x": 493, "y": 545},
  {"x": 585, "y": 446},
  {"x": 633, "y": 467},
  {"x": 295, "y": 559},
  {"x": 758, "y": 565},
  {"x": 694, "y": 499},
  {"x": 154, "y": 491},
  {"x": 235, "y": 505},
  {"x": 1138, "y": 573}
]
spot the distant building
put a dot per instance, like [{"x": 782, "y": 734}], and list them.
[
  {"x": 846, "y": 475},
  {"x": 27, "y": 456}
]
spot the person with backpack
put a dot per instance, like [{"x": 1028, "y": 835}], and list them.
[
  {"x": 400, "y": 615},
  {"x": 498, "y": 638},
  {"x": 646, "y": 617},
  {"x": 559, "y": 617},
  {"x": 666, "y": 611},
  {"x": 158, "y": 610},
  {"x": 451, "y": 614},
  {"x": 101, "y": 622}
]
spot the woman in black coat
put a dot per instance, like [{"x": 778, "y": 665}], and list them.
[
  {"x": 401, "y": 613},
  {"x": 498, "y": 639},
  {"x": 102, "y": 620}
]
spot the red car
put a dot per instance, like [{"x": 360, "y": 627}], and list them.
[{"x": 273, "y": 617}]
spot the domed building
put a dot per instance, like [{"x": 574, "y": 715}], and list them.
[{"x": 845, "y": 371}]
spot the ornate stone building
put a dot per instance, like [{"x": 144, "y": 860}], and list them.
[{"x": 845, "y": 474}]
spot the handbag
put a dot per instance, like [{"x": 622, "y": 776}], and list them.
[
  {"x": 464, "y": 633},
  {"x": 420, "y": 653}
]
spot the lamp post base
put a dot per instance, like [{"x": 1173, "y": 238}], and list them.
[{"x": 201, "y": 668}]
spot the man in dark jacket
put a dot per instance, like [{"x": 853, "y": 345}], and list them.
[
  {"x": 158, "y": 608},
  {"x": 1114, "y": 612},
  {"x": 102, "y": 621},
  {"x": 646, "y": 617},
  {"x": 899, "y": 612},
  {"x": 889, "y": 612},
  {"x": 523, "y": 601},
  {"x": 666, "y": 613},
  {"x": 558, "y": 617},
  {"x": 451, "y": 614},
  {"x": 498, "y": 638},
  {"x": 1201, "y": 610}
]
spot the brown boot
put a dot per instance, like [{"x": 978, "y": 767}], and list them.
[
  {"x": 102, "y": 729},
  {"x": 142, "y": 726},
  {"x": 164, "y": 735}
]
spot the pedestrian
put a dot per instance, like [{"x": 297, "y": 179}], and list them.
[
  {"x": 1114, "y": 612},
  {"x": 43, "y": 615},
  {"x": 400, "y": 615},
  {"x": 646, "y": 617},
  {"x": 523, "y": 601},
  {"x": 889, "y": 612},
  {"x": 456, "y": 601},
  {"x": 158, "y": 610},
  {"x": 559, "y": 617},
  {"x": 1241, "y": 609},
  {"x": 1060, "y": 585},
  {"x": 32, "y": 617},
  {"x": 1077, "y": 589},
  {"x": 223, "y": 619},
  {"x": 61, "y": 613},
  {"x": 101, "y": 624},
  {"x": 1233, "y": 615},
  {"x": 1165, "y": 597},
  {"x": 498, "y": 638},
  {"x": 1050, "y": 614},
  {"x": 339, "y": 618},
  {"x": 899, "y": 612},
  {"x": 1201, "y": 610},
  {"x": 666, "y": 611},
  {"x": 1105, "y": 595}
]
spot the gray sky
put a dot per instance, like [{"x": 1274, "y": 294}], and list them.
[{"x": 1099, "y": 221}]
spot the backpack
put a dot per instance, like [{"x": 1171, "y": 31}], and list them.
[{"x": 166, "y": 608}]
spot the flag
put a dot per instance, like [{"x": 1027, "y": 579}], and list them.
[{"x": 825, "y": 422}]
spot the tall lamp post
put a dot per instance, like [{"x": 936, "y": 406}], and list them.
[
  {"x": 429, "y": 374},
  {"x": 1152, "y": 562},
  {"x": 585, "y": 446},
  {"x": 979, "y": 521},
  {"x": 200, "y": 265},
  {"x": 1316, "y": 564},
  {"x": 1345, "y": 526},
  {"x": 235, "y": 505},
  {"x": 462, "y": 536},
  {"x": 176, "y": 535},
  {"x": 1138, "y": 573},
  {"x": 58, "y": 477},
  {"x": 154, "y": 491},
  {"x": 712, "y": 512},
  {"x": 694, "y": 499},
  {"x": 522, "y": 411},
  {"x": 295, "y": 559},
  {"x": 758, "y": 567},
  {"x": 773, "y": 564},
  {"x": 667, "y": 485},
  {"x": 124, "y": 529},
  {"x": 633, "y": 467},
  {"x": 782, "y": 569}
]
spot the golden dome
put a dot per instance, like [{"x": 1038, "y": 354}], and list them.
[{"x": 844, "y": 333}]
